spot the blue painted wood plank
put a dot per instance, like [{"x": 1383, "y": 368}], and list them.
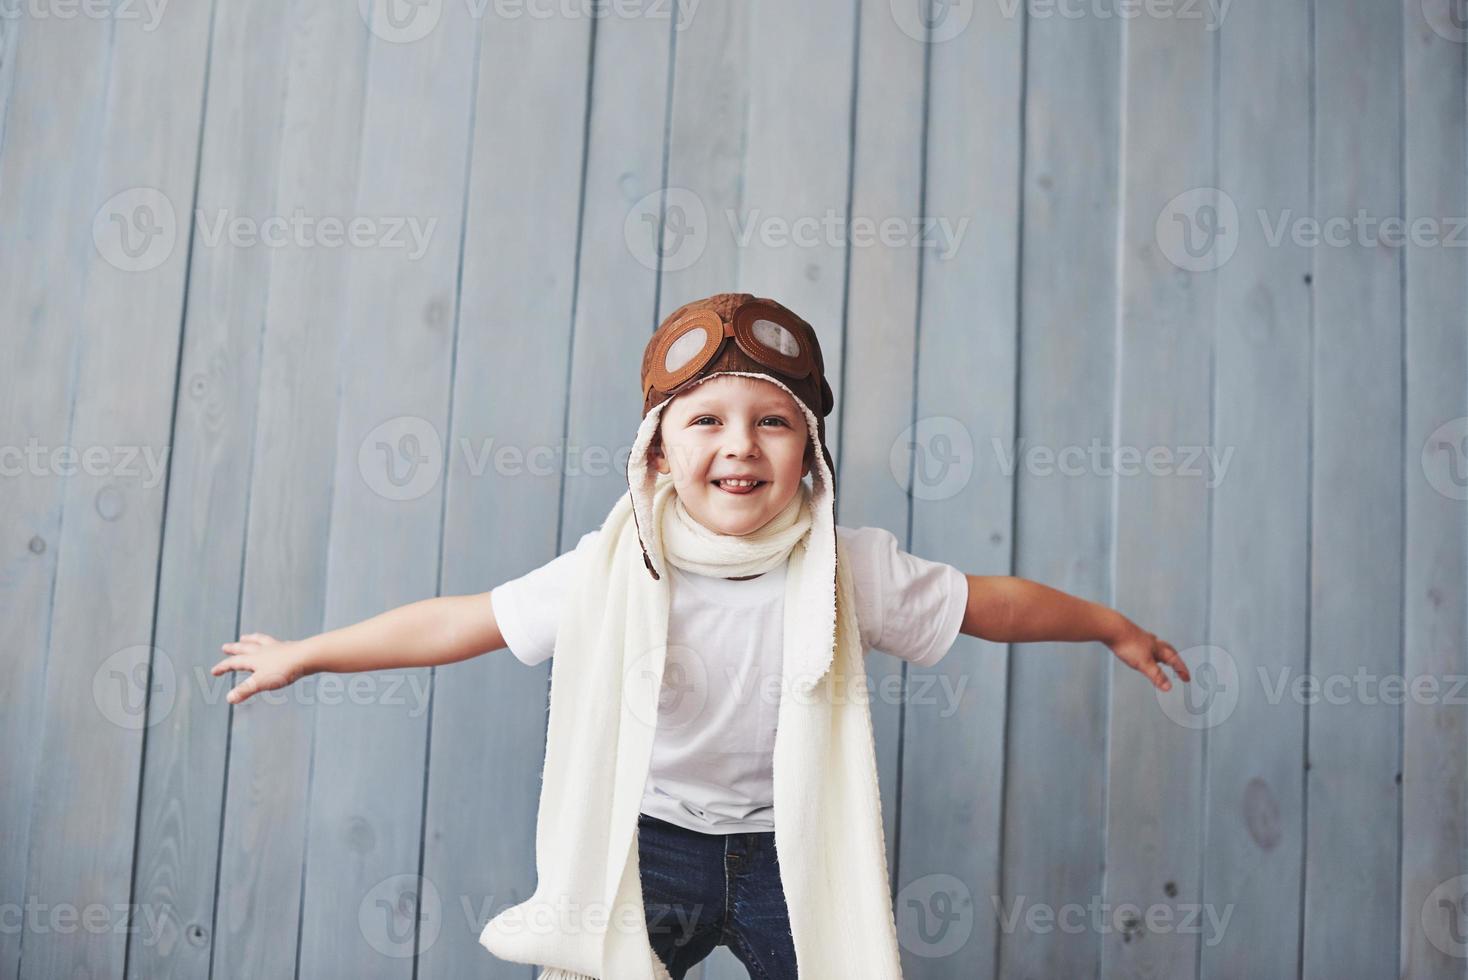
[
  {"x": 1055, "y": 742},
  {"x": 507, "y": 462},
  {"x": 1356, "y": 535},
  {"x": 1255, "y": 800},
  {"x": 130, "y": 253}
]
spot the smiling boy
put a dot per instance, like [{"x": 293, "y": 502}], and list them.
[{"x": 669, "y": 794}]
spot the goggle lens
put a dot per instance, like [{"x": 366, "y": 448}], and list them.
[
  {"x": 685, "y": 349},
  {"x": 776, "y": 337}
]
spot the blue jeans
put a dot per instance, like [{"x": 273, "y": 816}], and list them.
[{"x": 706, "y": 890}]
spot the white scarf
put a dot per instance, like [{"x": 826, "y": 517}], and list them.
[{"x": 586, "y": 917}]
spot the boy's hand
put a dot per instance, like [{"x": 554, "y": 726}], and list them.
[
  {"x": 1143, "y": 651},
  {"x": 272, "y": 664}
]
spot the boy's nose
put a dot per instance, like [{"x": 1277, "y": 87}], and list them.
[{"x": 739, "y": 441}]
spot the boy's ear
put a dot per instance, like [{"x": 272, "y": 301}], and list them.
[{"x": 656, "y": 458}]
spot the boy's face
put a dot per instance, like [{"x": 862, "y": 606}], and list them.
[{"x": 733, "y": 426}]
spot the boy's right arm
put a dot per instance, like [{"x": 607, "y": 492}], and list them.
[{"x": 426, "y": 633}]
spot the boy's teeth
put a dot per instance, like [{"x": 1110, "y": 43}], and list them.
[{"x": 739, "y": 483}]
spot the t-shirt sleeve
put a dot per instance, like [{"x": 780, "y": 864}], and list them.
[
  {"x": 528, "y": 608},
  {"x": 906, "y": 606}
]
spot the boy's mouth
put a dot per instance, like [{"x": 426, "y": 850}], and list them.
[{"x": 739, "y": 488}]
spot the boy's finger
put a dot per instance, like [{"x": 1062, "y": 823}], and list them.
[
  {"x": 241, "y": 691},
  {"x": 1170, "y": 654},
  {"x": 1158, "y": 677},
  {"x": 231, "y": 663}
]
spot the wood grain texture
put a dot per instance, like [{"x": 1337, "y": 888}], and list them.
[
  {"x": 505, "y": 473},
  {"x": 1055, "y": 741},
  {"x": 1434, "y": 789},
  {"x": 1351, "y": 864},
  {"x": 102, "y": 676},
  {"x": 292, "y": 456},
  {"x": 963, "y": 506},
  {"x": 1253, "y": 817},
  {"x": 1164, "y": 345}
]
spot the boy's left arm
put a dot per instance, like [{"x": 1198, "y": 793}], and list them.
[{"x": 1006, "y": 609}]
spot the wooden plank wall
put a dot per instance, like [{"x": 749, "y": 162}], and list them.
[{"x": 1117, "y": 254}]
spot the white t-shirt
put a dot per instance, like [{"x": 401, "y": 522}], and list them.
[{"x": 712, "y": 755}]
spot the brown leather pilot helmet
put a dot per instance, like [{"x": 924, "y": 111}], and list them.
[{"x": 739, "y": 333}]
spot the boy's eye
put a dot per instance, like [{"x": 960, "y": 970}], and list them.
[{"x": 767, "y": 418}]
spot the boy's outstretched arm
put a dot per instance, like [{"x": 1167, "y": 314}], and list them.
[
  {"x": 1006, "y": 609},
  {"x": 426, "y": 633}
]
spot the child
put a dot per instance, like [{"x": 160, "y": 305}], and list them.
[{"x": 710, "y": 776}]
